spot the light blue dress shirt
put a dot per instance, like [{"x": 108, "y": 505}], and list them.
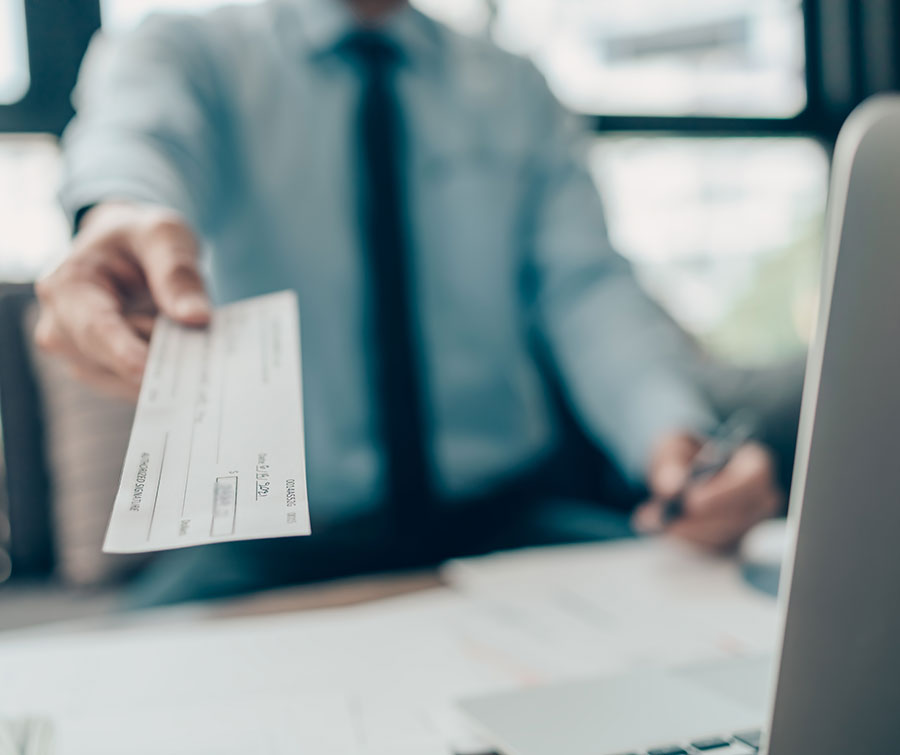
[{"x": 243, "y": 120}]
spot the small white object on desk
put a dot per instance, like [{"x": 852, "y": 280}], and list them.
[{"x": 764, "y": 546}]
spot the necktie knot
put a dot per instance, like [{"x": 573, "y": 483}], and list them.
[{"x": 372, "y": 50}]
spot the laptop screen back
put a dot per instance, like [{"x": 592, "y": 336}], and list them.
[{"x": 838, "y": 688}]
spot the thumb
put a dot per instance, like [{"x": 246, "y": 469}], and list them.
[
  {"x": 671, "y": 466},
  {"x": 647, "y": 518},
  {"x": 669, "y": 477},
  {"x": 667, "y": 480},
  {"x": 168, "y": 252},
  {"x": 669, "y": 471}
]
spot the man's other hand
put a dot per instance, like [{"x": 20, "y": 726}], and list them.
[
  {"x": 716, "y": 511},
  {"x": 128, "y": 262}
]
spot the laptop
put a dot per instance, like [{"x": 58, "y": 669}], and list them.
[{"x": 834, "y": 687}]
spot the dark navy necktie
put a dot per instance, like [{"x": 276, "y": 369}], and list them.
[{"x": 390, "y": 265}]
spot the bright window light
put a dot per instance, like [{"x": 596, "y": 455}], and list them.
[
  {"x": 14, "y": 78},
  {"x": 726, "y": 233},
  {"x": 652, "y": 57},
  {"x": 34, "y": 235}
]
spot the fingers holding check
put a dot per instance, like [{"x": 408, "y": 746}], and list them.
[
  {"x": 82, "y": 320},
  {"x": 96, "y": 309},
  {"x": 716, "y": 511},
  {"x": 167, "y": 252},
  {"x": 93, "y": 373}
]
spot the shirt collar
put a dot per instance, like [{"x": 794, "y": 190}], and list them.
[{"x": 326, "y": 23}]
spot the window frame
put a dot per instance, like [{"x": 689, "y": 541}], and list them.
[
  {"x": 57, "y": 35},
  {"x": 863, "y": 58}
]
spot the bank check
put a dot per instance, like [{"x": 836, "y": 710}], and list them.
[{"x": 216, "y": 451}]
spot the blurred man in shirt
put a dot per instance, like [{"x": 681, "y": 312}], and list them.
[{"x": 424, "y": 195}]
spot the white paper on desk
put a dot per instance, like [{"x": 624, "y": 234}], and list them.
[
  {"x": 216, "y": 450},
  {"x": 650, "y": 602},
  {"x": 380, "y": 678}
]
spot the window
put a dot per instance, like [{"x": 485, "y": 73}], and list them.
[
  {"x": 14, "y": 76},
  {"x": 34, "y": 230},
  {"x": 725, "y": 232},
  {"x": 702, "y": 57}
]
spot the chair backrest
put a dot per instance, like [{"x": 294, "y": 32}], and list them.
[{"x": 30, "y": 542}]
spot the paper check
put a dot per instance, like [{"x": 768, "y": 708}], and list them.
[{"x": 216, "y": 451}]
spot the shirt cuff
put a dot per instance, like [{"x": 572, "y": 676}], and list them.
[{"x": 130, "y": 172}]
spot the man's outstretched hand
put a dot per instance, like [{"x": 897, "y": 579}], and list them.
[
  {"x": 128, "y": 263},
  {"x": 716, "y": 511}
]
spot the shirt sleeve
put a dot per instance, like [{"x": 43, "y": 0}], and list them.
[
  {"x": 622, "y": 361},
  {"x": 149, "y": 122}
]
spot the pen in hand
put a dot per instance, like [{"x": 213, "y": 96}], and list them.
[{"x": 712, "y": 458}]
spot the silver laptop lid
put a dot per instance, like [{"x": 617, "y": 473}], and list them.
[{"x": 838, "y": 685}]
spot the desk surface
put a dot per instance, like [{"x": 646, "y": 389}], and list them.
[
  {"x": 373, "y": 665},
  {"x": 338, "y": 594}
]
